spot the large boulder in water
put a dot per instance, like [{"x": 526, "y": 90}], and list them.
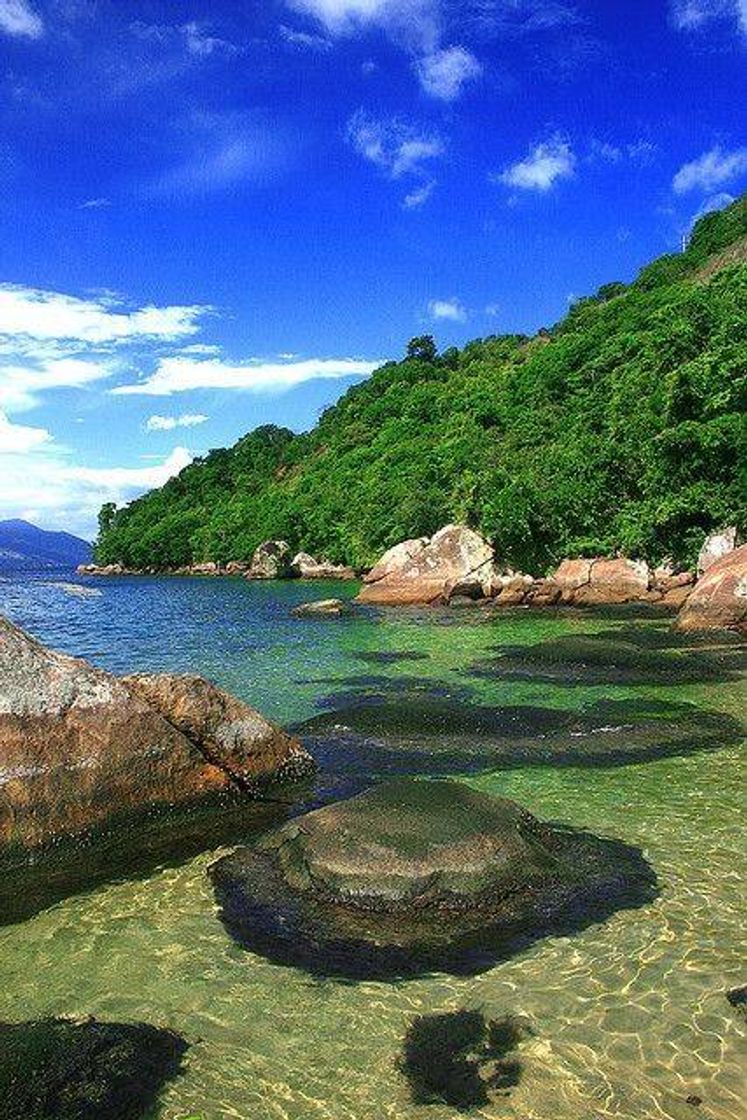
[
  {"x": 62, "y": 1069},
  {"x": 456, "y": 557},
  {"x": 719, "y": 599},
  {"x": 413, "y": 875},
  {"x": 80, "y": 747},
  {"x": 271, "y": 560},
  {"x": 227, "y": 731}
]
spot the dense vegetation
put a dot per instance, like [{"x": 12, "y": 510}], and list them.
[{"x": 623, "y": 428}]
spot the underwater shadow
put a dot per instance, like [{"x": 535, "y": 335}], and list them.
[
  {"x": 61, "y": 1069},
  {"x": 459, "y": 1058}
]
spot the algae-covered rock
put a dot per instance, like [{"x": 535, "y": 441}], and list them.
[{"x": 413, "y": 875}]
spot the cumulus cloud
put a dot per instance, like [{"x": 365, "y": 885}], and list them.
[
  {"x": 17, "y": 17},
  {"x": 393, "y": 145},
  {"x": 711, "y": 170},
  {"x": 43, "y": 487},
  {"x": 169, "y": 423},
  {"x": 444, "y": 73},
  {"x": 452, "y": 310},
  {"x": 545, "y": 165},
  {"x": 415, "y": 25},
  {"x": 37, "y": 314},
  {"x": 183, "y": 374}
]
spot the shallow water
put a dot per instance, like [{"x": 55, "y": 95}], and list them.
[{"x": 629, "y": 1016}]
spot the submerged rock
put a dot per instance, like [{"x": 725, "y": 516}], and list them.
[
  {"x": 61, "y": 1069},
  {"x": 390, "y": 728},
  {"x": 271, "y": 560},
  {"x": 323, "y": 608},
  {"x": 459, "y": 1057},
  {"x": 719, "y": 599},
  {"x": 456, "y": 560},
  {"x": 80, "y": 748},
  {"x": 416, "y": 875}
]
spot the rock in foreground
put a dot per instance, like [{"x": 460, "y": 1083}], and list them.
[
  {"x": 80, "y": 748},
  {"x": 456, "y": 561},
  {"x": 416, "y": 875},
  {"x": 719, "y": 599},
  {"x": 59, "y": 1069}
]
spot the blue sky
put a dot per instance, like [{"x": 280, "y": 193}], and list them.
[{"x": 216, "y": 215}]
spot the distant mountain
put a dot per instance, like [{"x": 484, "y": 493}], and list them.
[{"x": 23, "y": 547}]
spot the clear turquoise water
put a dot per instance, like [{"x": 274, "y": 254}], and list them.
[{"x": 629, "y": 1016}]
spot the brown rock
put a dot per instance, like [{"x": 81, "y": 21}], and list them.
[
  {"x": 227, "y": 731},
  {"x": 455, "y": 556},
  {"x": 719, "y": 599},
  {"x": 676, "y": 596},
  {"x": 512, "y": 591},
  {"x": 545, "y": 593},
  {"x": 78, "y": 747},
  {"x": 394, "y": 559},
  {"x": 571, "y": 575}
]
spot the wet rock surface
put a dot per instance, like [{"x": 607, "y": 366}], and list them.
[
  {"x": 81, "y": 749},
  {"x": 411, "y": 876},
  {"x": 461, "y": 1059},
  {"x": 719, "y": 598},
  {"x": 60, "y": 1069}
]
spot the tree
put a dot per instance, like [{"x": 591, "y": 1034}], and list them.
[
  {"x": 107, "y": 513},
  {"x": 422, "y": 348}
]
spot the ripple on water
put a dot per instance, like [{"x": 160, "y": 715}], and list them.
[{"x": 630, "y": 1016}]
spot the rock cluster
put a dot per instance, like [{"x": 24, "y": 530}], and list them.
[
  {"x": 80, "y": 748},
  {"x": 458, "y": 565},
  {"x": 413, "y": 875}
]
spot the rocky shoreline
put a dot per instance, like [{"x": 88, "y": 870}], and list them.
[{"x": 459, "y": 567}]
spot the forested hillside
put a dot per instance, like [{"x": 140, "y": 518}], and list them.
[{"x": 622, "y": 428}]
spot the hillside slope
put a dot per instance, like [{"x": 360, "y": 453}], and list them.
[
  {"x": 624, "y": 428},
  {"x": 25, "y": 547}
]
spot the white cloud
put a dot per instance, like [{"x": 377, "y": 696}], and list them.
[
  {"x": 305, "y": 40},
  {"x": 392, "y": 145},
  {"x": 545, "y": 165},
  {"x": 414, "y": 23},
  {"x": 20, "y": 385},
  {"x": 95, "y": 204},
  {"x": 183, "y": 374},
  {"x": 444, "y": 73},
  {"x": 19, "y": 18},
  {"x": 43, "y": 487},
  {"x": 418, "y": 197},
  {"x": 169, "y": 423},
  {"x": 693, "y": 15},
  {"x": 36, "y": 314},
  {"x": 452, "y": 310},
  {"x": 710, "y": 170},
  {"x": 17, "y": 439}
]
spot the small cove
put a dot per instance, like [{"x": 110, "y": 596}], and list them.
[{"x": 628, "y": 1017}]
